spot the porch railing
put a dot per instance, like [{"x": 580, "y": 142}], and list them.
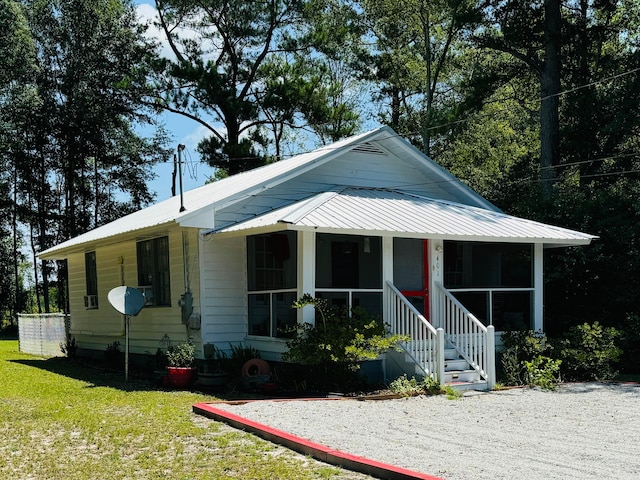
[
  {"x": 473, "y": 341},
  {"x": 426, "y": 347}
]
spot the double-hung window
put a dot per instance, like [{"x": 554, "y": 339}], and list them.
[
  {"x": 272, "y": 284},
  {"x": 154, "y": 278},
  {"x": 91, "y": 277}
]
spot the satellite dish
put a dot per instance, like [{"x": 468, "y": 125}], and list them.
[{"x": 126, "y": 300}]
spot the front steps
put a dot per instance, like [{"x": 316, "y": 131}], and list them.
[{"x": 458, "y": 374}]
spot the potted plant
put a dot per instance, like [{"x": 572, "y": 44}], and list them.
[
  {"x": 180, "y": 370},
  {"x": 213, "y": 373}
]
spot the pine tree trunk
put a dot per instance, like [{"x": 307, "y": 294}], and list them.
[{"x": 550, "y": 88}]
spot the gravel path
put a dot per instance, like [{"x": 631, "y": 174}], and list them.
[{"x": 580, "y": 431}]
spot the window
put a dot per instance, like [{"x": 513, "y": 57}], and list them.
[
  {"x": 493, "y": 280},
  {"x": 91, "y": 275},
  {"x": 349, "y": 271},
  {"x": 153, "y": 270},
  {"x": 272, "y": 283}
]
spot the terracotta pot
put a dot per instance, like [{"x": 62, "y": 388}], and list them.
[{"x": 181, "y": 377}]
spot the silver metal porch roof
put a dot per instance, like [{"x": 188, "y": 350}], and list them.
[{"x": 393, "y": 213}]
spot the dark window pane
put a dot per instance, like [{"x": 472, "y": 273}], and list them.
[
  {"x": 91, "y": 273},
  {"x": 512, "y": 310},
  {"x": 285, "y": 317},
  {"x": 348, "y": 261},
  {"x": 272, "y": 261},
  {"x": 259, "y": 314},
  {"x": 153, "y": 270},
  {"x": 477, "y": 303},
  {"x": 370, "y": 301},
  {"x": 487, "y": 265}
]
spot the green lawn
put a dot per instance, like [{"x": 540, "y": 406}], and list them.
[{"x": 59, "y": 420}]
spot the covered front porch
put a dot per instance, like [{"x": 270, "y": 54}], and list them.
[{"x": 448, "y": 275}]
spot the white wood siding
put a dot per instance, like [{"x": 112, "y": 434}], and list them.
[
  {"x": 224, "y": 291},
  {"x": 97, "y": 328}
]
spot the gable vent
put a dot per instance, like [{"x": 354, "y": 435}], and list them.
[{"x": 368, "y": 148}]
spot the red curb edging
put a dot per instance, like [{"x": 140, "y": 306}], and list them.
[{"x": 316, "y": 450}]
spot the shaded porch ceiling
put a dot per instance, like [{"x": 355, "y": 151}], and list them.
[{"x": 362, "y": 211}]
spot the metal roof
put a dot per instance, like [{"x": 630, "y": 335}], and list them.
[
  {"x": 201, "y": 202},
  {"x": 394, "y": 213}
]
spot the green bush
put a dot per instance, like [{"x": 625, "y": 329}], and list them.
[
  {"x": 182, "y": 355},
  {"x": 522, "y": 346},
  {"x": 338, "y": 338},
  {"x": 542, "y": 372},
  {"x": 409, "y": 387},
  {"x": 338, "y": 343},
  {"x": 589, "y": 352}
]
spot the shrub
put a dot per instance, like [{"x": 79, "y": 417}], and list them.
[
  {"x": 338, "y": 338},
  {"x": 542, "y": 372},
  {"x": 520, "y": 347},
  {"x": 69, "y": 347},
  {"x": 338, "y": 343},
  {"x": 182, "y": 355},
  {"x": 409, "y": 387},
  {"x": 112, "y": 354},
  {"x": 589, "y": 352}
]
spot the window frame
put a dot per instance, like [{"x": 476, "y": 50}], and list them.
[
  {"x": 153, "y": 259},
  {"x": 269, "y": 275}
]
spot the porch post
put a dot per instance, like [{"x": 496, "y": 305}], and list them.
[
  {"x": 538, "y": 286},
  {"x": 306, "y": 273},
  {"x": 436, "y": 258}
]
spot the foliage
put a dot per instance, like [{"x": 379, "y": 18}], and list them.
[
  {"x": 113, "y": 354},
  {"x": 69, "y": 347},
  {"x": 630, "y": 344},
  {"x": 69, "y": 129},
  {"x": 452, "y": 393},
  {"x": 338, "y": 338},
  {"x": 523, "y": 358},
  {"x": 409, "y": 387},
  {"x": 543, "y": 372},
  {"x": 133, "y": 431},
  {"x": 181, "y": 355},
  {"x": 213, "y": 359},
  {"x": 589, "y": 352},
  {"x": 247, "y": 72}
]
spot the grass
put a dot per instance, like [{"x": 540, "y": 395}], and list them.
[{"x": 59, "y": 420}]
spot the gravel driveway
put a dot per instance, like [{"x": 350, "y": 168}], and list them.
[{"x": 580, "y": 431}]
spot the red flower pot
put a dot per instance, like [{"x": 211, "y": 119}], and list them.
[{"x": 181, "y": 377}]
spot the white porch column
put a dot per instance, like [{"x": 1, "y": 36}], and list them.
[
  {"x": 538, "y": 285},
  {"x": 306, "y": 273},
  {"x": 387, "y": 270},
  {"x": 436, "y": 258}
]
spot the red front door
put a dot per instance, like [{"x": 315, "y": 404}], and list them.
[{"x": 418, "y": 295}]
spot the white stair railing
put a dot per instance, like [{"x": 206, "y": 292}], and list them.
[
  {"x": 426, "y": 347},
  {"x": 473, "y": 341}
]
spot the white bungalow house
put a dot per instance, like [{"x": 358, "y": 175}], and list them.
[{"x": 366, "y": 221}]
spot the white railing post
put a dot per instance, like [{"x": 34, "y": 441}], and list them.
[
  {"x": 440, "y": 355},
  {"x": 491, "y": 357}
]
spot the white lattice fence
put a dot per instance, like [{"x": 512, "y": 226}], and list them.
[{"x": 42, "y": 334}]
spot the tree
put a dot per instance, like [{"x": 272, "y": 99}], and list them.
[
  {"x": 17, "y": 51},
  {"x": 78, "y": 161},
  {"x": 417, "y": 45},
  {"x": 245, "y": 71}
]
